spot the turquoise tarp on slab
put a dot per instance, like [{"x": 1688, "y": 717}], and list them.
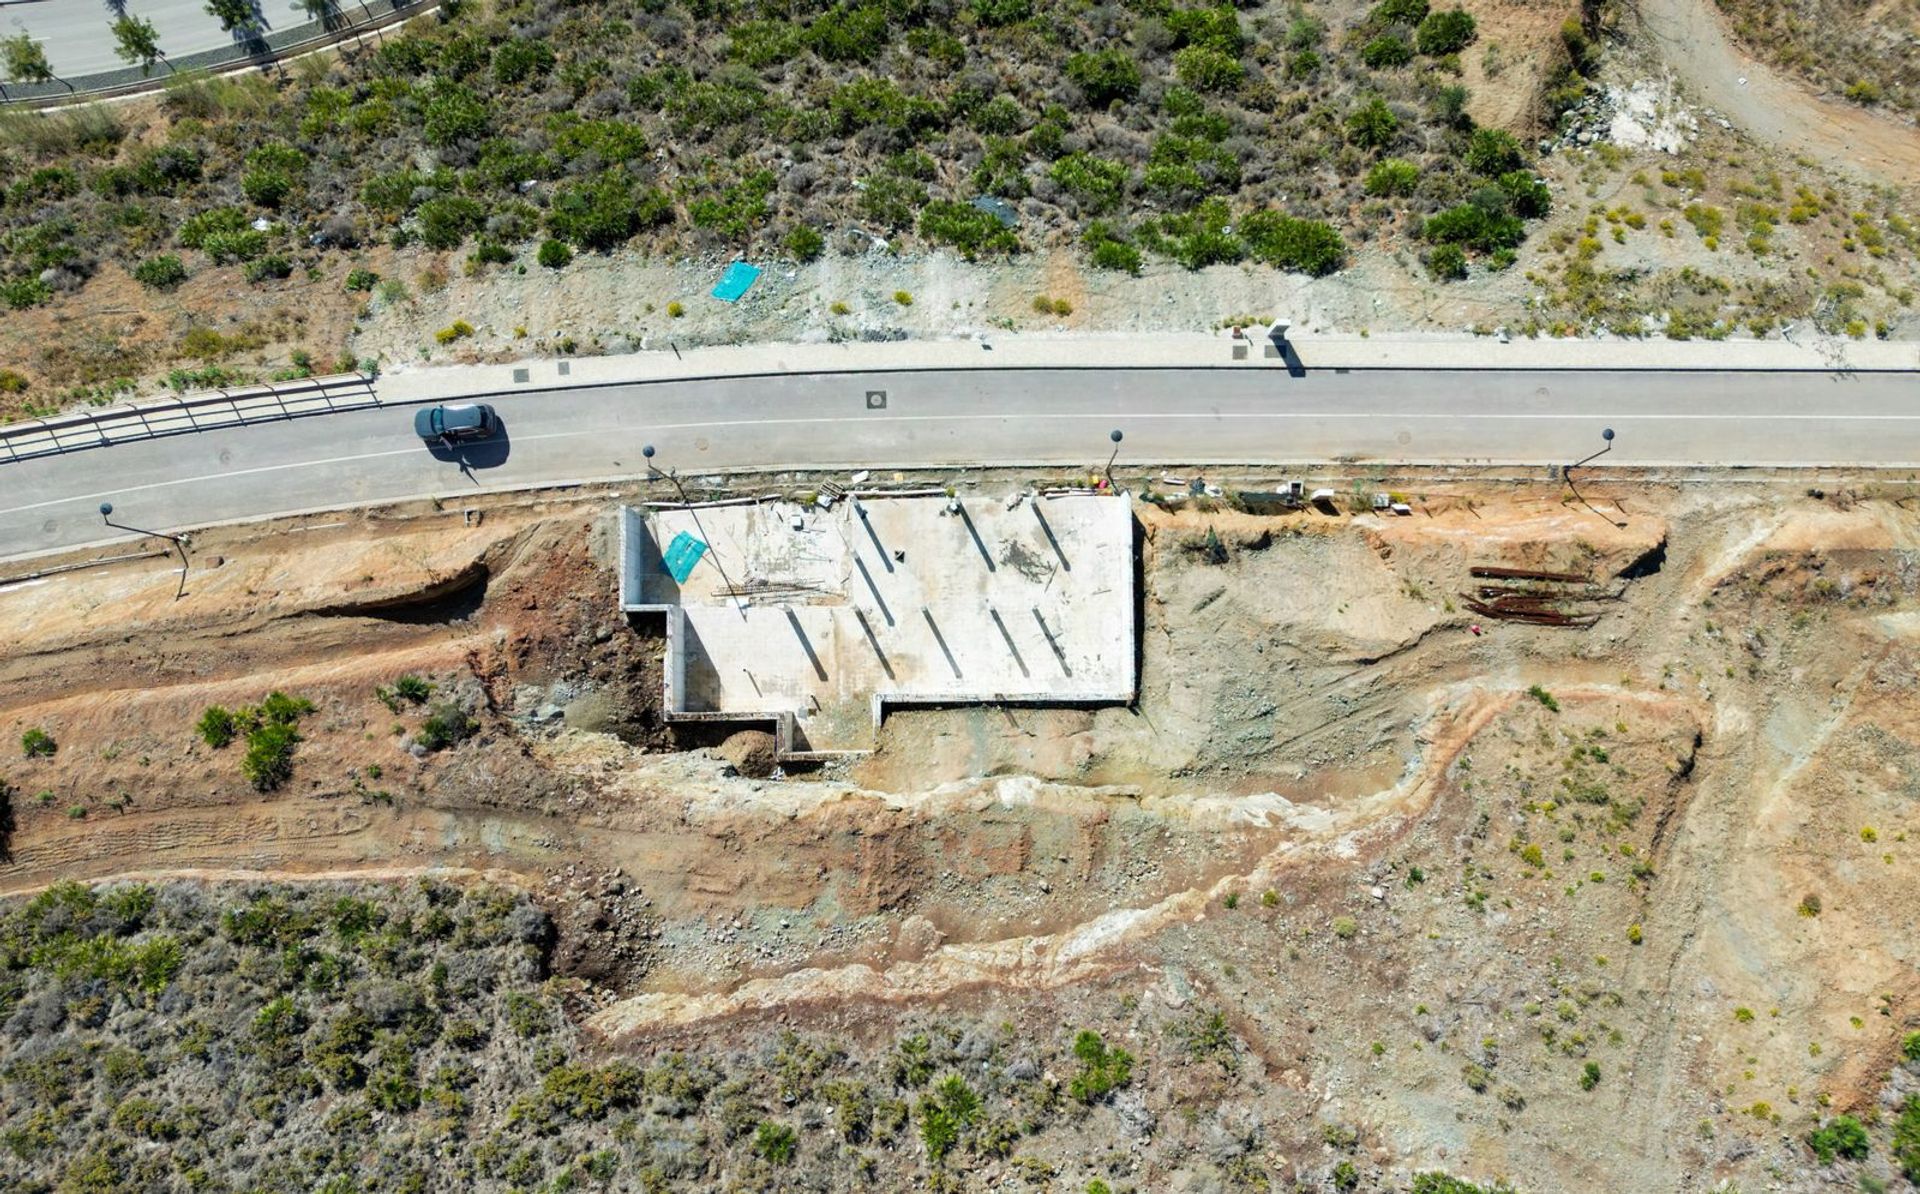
[
  {"x": 682, "y": 554},
  {"x": 735, "y": 281}
]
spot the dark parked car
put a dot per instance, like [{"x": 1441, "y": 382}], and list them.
[{"x": 451, "y": 424}]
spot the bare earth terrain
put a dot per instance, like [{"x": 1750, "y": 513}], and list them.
[{"x": 1405, "y": 880}]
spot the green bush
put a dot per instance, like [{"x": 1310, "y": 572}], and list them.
[
  {"x": 267, "y": 186},
  {"x": 1372, "y": 124},
  {"x": 1201, "y": 237},
  {"x": 554, "y": 254},
  {"x": 944, "y": 1115},
  {"x": 775, "y": 1142},
  {"x": 448, "y": 725},
  {"x": 1910, "y": 1046},
  {"x": 1527, "y": 195},
  {"x": 1102, "y": 1070},
  {"x": 1841, "y": 1136},
  {"x": 21, "y": 293},
  {"x": 1906, "y": 1139},
  {"x": 966, "y": 228},
  {"x": 1448, "y": 263},
  {"x": 805, "y": 244},
  {"x": 38, "y": 744},
  {"x": 361, "y": 279},
  {"x": 217, "y": 726},
  {"x": 605, "y": 212},
  {"x": 994, "y": 13},
  {"x": 1440, "y": 1183},
  {"x": 1492, "y": 152},
  {"x": 892, "y": 201},
  {"x": 163, "y": 272},
  {"x": 1208, "y": 69},
  {"x": 1096, "y": 184},
  {"x": 1298, "y": 246},
  {"x": 410, "y": 687},
  {"x": 737, "y": 209},
  {"x": 1110, "y": 250},
  {"x": 1104, "y": 76},
  {"x": 198, "y": 227},
  {"x": 517, "y": 60},
  {"x": 1445, "y": 32},
  {"x": 1590, "y": 1075},
  {"x": 453, "y": 114},
  {"x": 1398, "y": 12},
  {"x": 268, "y": 762},
  {"x": 446, "y": 221},
  {"x": 1386, "y": 51},
  {"x": 848, "y": 33},
  {"x": 1392, "y": 176},
  {"x": 1216, "y": 28},
  {"x": 1470, "y": 225},
  {"x": 271, "y": 266}
]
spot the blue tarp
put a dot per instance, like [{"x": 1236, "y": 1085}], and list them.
[
  {"x": 682, "y": 554},
  {"x": 735, "y": 281}
]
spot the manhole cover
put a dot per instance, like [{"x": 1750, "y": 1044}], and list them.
[
  {"x": 522, "y": 376},
  {"x": 876, "y": 400}
]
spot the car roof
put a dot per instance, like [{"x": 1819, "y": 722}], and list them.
[{"x": 464, "y": 415}]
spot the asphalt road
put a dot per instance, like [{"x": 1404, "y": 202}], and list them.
[
  {"x": 77, "y": 37},
  {"x": 1017, "y": 417}
]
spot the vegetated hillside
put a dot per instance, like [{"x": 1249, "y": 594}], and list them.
[
  {"x": 341, "y": 1038},
  {"x": 1866, "y": 50},
  {"x": 1279, "y": 133}
]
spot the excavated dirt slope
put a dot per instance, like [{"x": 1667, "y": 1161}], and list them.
[{"x": 1490, "y": 894}]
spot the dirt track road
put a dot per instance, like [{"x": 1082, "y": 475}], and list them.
[{"x": 1772, "y": 107}]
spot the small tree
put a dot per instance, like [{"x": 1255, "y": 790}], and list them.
[
  {"x": 233, "y": 14},
  {"x": 26, "y": 60},
  {"x": 38, "y": 744},
  {"x": 137, "y": 42}
]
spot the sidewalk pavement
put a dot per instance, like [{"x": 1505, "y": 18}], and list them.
[{"x": 423, "y": 383}]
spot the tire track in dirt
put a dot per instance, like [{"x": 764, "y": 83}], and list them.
[{"x": 1772, "y": 107}]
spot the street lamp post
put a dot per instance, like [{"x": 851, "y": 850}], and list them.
[
  {"x": 179, "y": 541},
  {"x": 1116, "y": 437},
  {"x": 647, "y": 451},
  {"x": 1605, "y": 434}
]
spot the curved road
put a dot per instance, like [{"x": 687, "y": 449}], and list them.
[{"x": 972, "y": 418}]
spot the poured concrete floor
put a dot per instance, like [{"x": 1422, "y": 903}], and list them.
[{"x": 903, "y": 598}]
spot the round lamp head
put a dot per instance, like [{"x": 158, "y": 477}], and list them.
[
  {"x": 647, "y": 451},
  {"x": 106, "y": 508},
  {"x": 1607, "y": 435},
  {"x": 1114, "y": 435}
]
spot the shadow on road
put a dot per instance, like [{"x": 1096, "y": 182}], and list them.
[{"x": 476, "y": 454}]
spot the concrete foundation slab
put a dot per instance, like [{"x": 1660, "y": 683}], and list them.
[{"x": 819, "y": 619}]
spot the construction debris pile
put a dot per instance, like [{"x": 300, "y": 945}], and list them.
[{"x": 1537, "y": 597}]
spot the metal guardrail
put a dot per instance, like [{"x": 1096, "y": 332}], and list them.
[{"x": 268, "y": 402}]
